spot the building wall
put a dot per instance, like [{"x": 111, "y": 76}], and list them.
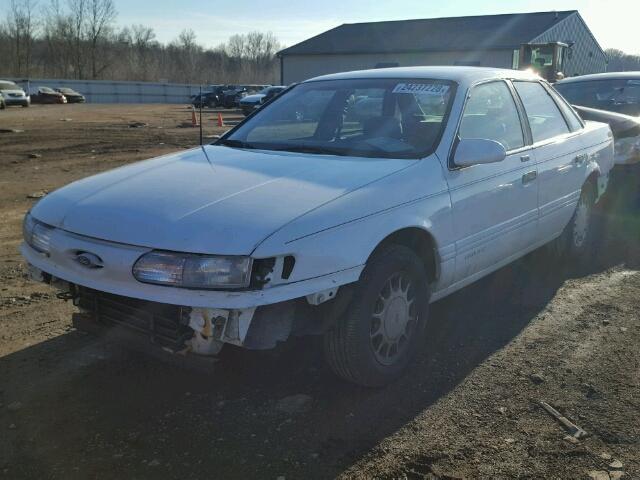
[
  {"x": 586, "y": 55},
  {"x": 101, "y": 91},
  {"x": 296, "y": 68}
]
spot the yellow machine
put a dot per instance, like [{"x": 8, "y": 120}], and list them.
[{"x": 546, "y": 59}]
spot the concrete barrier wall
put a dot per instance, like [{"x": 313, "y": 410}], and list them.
[{"x": 105, "y": 91}]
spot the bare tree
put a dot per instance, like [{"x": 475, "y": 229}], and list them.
[
  {"x": 78, "y": 39},
  {"x": 77, "y": 23},
  {"x": 622, "y": 62},
  {"x": 21, "y": 29},
  {"x": 143, "y": 40},
  {"x": 100, "y": 16}
]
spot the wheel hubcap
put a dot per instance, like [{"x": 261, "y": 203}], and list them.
[
  {"x": 393, "y": 320},
  {"x": 581, "y": 224}
]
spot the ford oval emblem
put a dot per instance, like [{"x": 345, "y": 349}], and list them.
[{"x": 89, "y": 260}]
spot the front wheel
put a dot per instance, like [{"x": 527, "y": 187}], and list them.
[{"x": 384, "y": 325}]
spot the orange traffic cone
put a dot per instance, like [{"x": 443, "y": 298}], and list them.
[
  {"x": 194, "y": 119},
  {"x": 220, "y": 121}
]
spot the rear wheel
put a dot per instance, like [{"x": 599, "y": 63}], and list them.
[
  {"x": 577, "y": 240},
  {"x": 385, "y": 322}
]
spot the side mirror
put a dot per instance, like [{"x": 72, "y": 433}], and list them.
[{"x": 478, "y": 151}]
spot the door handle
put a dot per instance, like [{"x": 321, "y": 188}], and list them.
[
  {"x": 580, "y": 159},
  {"x": 525, "y": 158},
  {"x": 529, "y": 177}
]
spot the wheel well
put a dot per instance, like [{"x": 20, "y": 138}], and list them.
[{"x": 418, "y": 240}]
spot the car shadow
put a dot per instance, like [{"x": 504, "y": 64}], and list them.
[{"x": 91, "y": 409}]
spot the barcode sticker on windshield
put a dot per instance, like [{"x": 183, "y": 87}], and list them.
[{"x": 421, "y": 88}]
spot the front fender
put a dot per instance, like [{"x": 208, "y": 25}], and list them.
[{"x": 343, "y": 234}]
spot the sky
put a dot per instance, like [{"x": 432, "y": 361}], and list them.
[{"x": 613, "y": 22}]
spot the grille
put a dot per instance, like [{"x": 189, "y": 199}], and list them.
[{"x": 165, "y": 324}]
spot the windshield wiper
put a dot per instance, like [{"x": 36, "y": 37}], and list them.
[
  {"x": 234, "y": 143},
  {"x": 311, "y": 149}
]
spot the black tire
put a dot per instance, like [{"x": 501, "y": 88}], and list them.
[
  {"x": 577, "y": 240},
  {"x": 349, "y": 345}
]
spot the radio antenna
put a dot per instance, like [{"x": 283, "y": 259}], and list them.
[{"x": 200, "y": 112}]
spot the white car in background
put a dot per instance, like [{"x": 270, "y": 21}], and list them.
[
  {"x": 327, "y": 213},
  {"x": 13, "y": 94}
]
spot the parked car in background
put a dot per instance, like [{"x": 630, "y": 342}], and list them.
[
  {"x": 206, "y": 99},
  {"x": 48, "y": 95},
  {"x": 252, "y": 102},
  {"x": 615, "y": 92},
  {"x": 311, "y": 218},
  {"x": 613, "y": 98},
  {"x": 13, "y": 94},
  {"x": 212, "y": 98},
  {"x": 231, "y": 98},
  {"x": 625, "y": 129},
  {"x": 71, "y": 95}
]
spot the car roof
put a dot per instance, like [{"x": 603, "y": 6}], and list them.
[
  {"x": 461, "y": 75},
  {"x": 602, "y": 76}
]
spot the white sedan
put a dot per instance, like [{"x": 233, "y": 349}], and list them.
[{"x": 343, "y": 208}]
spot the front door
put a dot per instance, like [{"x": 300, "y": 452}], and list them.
[{"x": 495, "y": 206}]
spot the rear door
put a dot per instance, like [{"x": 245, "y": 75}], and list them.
[
  {"x": 559, "y": 154},
  {"x": 494, "y": 205}
]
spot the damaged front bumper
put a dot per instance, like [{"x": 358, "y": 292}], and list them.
[{"x": 182, "y": 320}]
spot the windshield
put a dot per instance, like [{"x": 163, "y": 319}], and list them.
[
  {"x": 385, "y": 118},
  {"x": 46, "y": 90},
  {"x": 616, "y": 95},
  {"x": 66, "y": 90},
  {"x": 8, "y": 86}
]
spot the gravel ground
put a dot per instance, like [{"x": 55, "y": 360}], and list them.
[{"x": 72, "y": 406}]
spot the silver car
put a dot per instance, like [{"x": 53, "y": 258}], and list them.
[{"x": 13, "y": 94}]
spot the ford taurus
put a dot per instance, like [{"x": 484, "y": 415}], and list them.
[{"x": 343, "y": 208}]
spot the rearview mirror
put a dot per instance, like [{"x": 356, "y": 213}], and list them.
[{"x": 478, "y": 151}]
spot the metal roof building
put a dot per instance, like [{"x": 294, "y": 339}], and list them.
[{"x": 488, "y": 40}]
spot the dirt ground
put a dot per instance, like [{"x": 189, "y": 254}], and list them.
[{"x": 73, "y": 407}]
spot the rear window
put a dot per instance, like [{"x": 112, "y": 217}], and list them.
[
  {"x": 572, "y": 117},
  {"x": 615, "y": 95},
  {"x": 545, "y": 118}
]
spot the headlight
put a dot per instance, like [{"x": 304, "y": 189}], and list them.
[
  {"x": 193, "y": 271},
  {"x": 36, "y": 234}
]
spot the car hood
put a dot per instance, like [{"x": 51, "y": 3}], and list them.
[
  {"x": 253, "y": 98},
  {"x": 211, "y": 199}
]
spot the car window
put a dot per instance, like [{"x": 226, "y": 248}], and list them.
[
  {"x": 491, "y": 113},
  {"x": 570, "y": 115},
  {"x": 545, "y": 118},
  {"x": 383, "y": 118},
  {"x": 615, "y": 95},
  {"x": 298, "y": 121}
]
